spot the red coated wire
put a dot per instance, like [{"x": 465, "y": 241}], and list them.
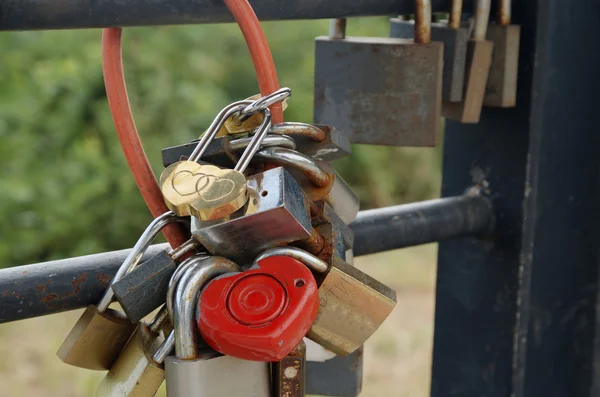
[{"x": 116, "y": 92}]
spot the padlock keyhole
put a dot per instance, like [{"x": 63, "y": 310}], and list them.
[{"x": 300, "y": 283}]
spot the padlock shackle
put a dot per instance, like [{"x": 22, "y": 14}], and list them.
[
  {"x": 315, "y": 174},
  {"x": 177, "y": 252},
  {"x": 186, "y": 299},
  {"x": 254, "y": 145},
  {"x": 135, "y": 255},
  {"x": 183, "y": 268},
  {"x": 270, "y": 141},
  {"x": 159, "y": 320},
  {"x": 265, "y": 102},
  {"x": 454, "y": 19},
  {"x": 423, "y": 21},
  {"x": 215, "y": 126},
  {"x": 301, "y": 129},
  {"x": 337, "y": 28},
  {"x": 482, "y": 17},
  {"x": 504, "y": 12},
  {"x": 312, "y": 262}
]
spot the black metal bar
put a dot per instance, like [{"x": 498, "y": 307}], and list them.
[
  {"x": 516, "y": 316},
  {"x": 408, "y": 225},
  {"x": 57, "y": 286},
  {"x": 73, "y": 14}
]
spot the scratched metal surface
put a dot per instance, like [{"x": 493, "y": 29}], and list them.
[{"x": 380, "y": 90}]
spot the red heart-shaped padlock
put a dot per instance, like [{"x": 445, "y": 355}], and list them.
[{"x": 260, "y": 314}]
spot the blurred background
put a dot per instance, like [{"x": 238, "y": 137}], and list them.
[{"x": 66, "y": 189}]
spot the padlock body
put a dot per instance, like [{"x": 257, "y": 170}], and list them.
[
  {"x": 352, "y": 307},
  {"x": 382, "y": 91},
  {"x": 216, "y": 377},
  {"x": 501, "y": 89},
  {"x": 288, "y": 375},
  {"x": 455, "y": 53},
  {"x": 134, "y": 373},
  {"x": 277, "y": 213},
  {"x": 479, "y": 60},
  {"x": 96, "y": 339},
  {"x": 260, "y": 314},
  {"x": 145, "y": 288}
]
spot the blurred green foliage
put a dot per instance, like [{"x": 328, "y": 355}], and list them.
[{"x": 65, "y": 186}]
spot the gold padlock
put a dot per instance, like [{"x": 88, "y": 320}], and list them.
[
  {"x": 100, "y": 333},
  {"x": 206, "y": 191},
  {"x": 352, "y": 304},
  {"x": 135, "y": 373}
]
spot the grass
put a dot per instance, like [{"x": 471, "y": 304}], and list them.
[{"x": 397, "y": 357}]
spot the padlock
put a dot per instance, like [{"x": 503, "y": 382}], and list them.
[
  {"x": 277, "y": 213},
  {"x": 206, "y": 191},
  {"x": 352, "y": 304},
  {"x": 320, "y": 142},
  {"x": 501, "y": 89},
  {"x": 334, "y": 146},
  {"x": 338, "y": 237},
  {"x": 260, "y": 314},
  {"x": 288, "y": 375},
  {"x": 317, "y": 178},
  {"x": 215, "y": 375},
  {"x": 144, "y": 289},
  {"x": 479, "y": 59},
  {"x": 192, "y": 371},
  {"x": 394, "y": 97},
  {"x": 455, "y": 38},
  {"x": 135, "y": 373},
  {"x": 100, "y": 333}
]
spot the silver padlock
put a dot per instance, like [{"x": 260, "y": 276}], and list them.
[
  {"x": 317, "y": 178},
  {"x": 277, "y": 213},
  {"x": 201, "y": 372},
  {"x": 381, "y": 90}
]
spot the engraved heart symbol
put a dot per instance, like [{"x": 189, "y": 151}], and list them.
[
  {"x": 209, "y": 187},
  {"x": 204, "y": 191}
]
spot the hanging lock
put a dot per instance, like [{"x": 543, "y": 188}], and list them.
[
  {"x": 135, "y": 373},
  {"x": 100, "y": 333},
  {"x": 317, "y": 178},
  {"x": 144, "y": 289},
  {"x": 501, "y": 90},
  {"x": 197, "y": 371},
  {"x": 479, "y": 59},
  {"x": 455, "y": 38},
  {"x": 260, "y": 314},
  {"x": 352, "y": 304},
  {"x": 394, "y": 97},
  {"x": 206, "y": 191},
  {"x": 277, "y": 214}
]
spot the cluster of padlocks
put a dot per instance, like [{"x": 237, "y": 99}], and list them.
[{"x": 269, "y": 264}]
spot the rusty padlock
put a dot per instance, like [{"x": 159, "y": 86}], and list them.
[
  {"x": 455, "y": 36},
  {"x": 501, "y": 90},
  {"x": 381, "y": 90},
  {"x": 479, "y": 59}
]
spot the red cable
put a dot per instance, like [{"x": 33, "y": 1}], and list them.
[
  {"x": 118, "y": 100},
  {"x": 266, "y": 74}
]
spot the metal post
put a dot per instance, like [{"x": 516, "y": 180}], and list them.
[{"x": 517, "y": 316}]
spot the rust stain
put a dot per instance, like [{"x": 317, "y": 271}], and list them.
[
  {"x": 49, "y": 297},
  {"x": 103, "y": 279},
  {"x": 41, "y": 288},
  {"x": 76, "y": 285}
]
